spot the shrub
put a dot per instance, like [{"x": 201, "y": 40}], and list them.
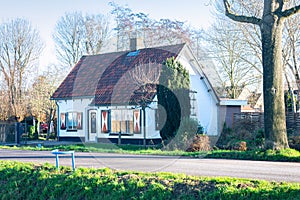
[
  {"x": 200, "y": 143},
  {"x": 259, "y": 138},
  {"x": 225, "y": 137},
  {"x": 242, "y": 132},
  {"x": 184, "y": 136},
  {"x": 31, "y": 131},
  {"x": 294, "y": 142},
  {"x": 238, "y": 145}
]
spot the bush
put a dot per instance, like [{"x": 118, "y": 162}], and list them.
[
  {"x": 184, "y": 136},
  {"x": 31, "y": 131},
  {"x": 225, "y": 137},
  {"x": 231, "y": 139},
  {"x": 200, "y": 143},
  {"x": 294, "y": 142},
  {"x": 259, "y": 139},
  {"x": 238, "y": 145}
]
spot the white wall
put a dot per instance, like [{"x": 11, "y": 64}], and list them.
[
  {"x": 207, "y": 109},
  {"x": 81, "y": 105},
  {"x": 151, "y": 133},
  {"x": 75, "y": 105}
]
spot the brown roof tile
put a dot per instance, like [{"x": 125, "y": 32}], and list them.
[{"x": 106, "y": 77}]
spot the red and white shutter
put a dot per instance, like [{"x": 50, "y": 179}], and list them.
[
  {"x": 136, "y": 121},
  {"x": 104, "y": 121}
]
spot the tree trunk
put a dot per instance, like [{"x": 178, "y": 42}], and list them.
[
  {"x": 271, "y": 26},
  {"x": 274, "y": 111}
]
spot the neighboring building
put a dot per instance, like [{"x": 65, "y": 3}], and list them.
[
  {"x": 229, "y": 107},
  {"x": 99, "y": 99},
  {"x": 254, "y": 99}
]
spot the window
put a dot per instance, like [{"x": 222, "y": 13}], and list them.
[
  {"x": 125, "y": 121},
  {"x": 73, "y": 121}
]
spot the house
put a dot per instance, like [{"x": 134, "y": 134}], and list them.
[
  {"x": 254, "y": 99},
  {"x": 98, "y": 101}
]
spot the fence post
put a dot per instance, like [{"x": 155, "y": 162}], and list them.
[{"x": 17, "y": 129}]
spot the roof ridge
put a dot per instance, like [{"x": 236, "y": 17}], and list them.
[{"x": 127, "y": 51}]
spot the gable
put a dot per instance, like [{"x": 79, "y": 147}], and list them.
[{"x": 191, "y": 63}]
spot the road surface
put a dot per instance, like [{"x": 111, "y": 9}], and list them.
[{"x": 271, "y": 171}]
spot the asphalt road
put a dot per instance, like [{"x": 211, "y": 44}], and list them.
[{"x": 271, "y": 171}]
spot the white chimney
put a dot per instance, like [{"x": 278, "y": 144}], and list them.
[{"x": 135, "y": 44}]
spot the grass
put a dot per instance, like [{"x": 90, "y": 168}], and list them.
[
  {"x": 285, "y": 155},
  {"x": 29, "y": 181}
]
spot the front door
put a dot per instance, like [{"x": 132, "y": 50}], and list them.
[{"x": 92, "y": 132}]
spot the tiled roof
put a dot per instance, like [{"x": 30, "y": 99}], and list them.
[{"x": 107, "y": 77}]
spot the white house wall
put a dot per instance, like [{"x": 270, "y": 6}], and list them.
[
  {"x": 81, "y": 105},
  {"x": 151, "y": 132},
  {"x": 75, "y": 105},
  {"x": 207, "y": 110},
  {"x": 206, "y": 103}
]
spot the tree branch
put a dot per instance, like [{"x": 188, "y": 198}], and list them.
[
  {"x": 291, "y": 11},
  {"x": 239, "y": 18}
]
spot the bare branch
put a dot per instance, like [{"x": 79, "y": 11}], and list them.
[
  {"x": 144, "y": 74},
  {"x": 291, "y": 11},
  {"x": 239, "y": 18}
]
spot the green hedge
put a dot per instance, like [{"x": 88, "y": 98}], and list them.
[{"x": 29, "y": 181}]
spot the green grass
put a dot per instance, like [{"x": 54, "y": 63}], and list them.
[
  {"x": 286, "y": 155},
  {"x": 29, "y": 181}
]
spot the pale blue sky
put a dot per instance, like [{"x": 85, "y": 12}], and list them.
[{"x": 43, "y": 14}]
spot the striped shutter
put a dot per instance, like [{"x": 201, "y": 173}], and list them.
[
  {"x": 136, "y": 121},
  {"x": 104, "y": 121}
]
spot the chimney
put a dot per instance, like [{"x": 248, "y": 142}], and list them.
[{"x": 135, "y": 44}]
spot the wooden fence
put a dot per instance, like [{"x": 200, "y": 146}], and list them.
[{"x": 256, "y": 119}]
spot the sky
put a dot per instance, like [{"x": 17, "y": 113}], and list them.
[{"x": 43, "y": 14}]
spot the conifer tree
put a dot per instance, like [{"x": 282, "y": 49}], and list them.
[{"x": 173, "y": 96}]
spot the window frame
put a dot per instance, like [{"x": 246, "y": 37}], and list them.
[
  {"x": 73, "y": 121},
  {"x": 123, "y": 117}
]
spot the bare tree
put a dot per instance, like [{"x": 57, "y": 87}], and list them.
[
  {"x": 291, "y": 50},
  {"x": 41, "y": 107},
  {"x": 68, "y": 37},
  {"x": 270, "y": 22},
  {"x": 125, "y": 25},
  {"x": 4, "y": 110},
  {"x": 172, "y": 32},
  {"x": 232, "y": 55},
  {"x": 76, "y": 35},
  {"x": 20, "y": 46},
  {"x": 96, "y": 32},
  {"x": 145, "y": 77},
  {"x": 153, "y": 32},
  {"x": 144, "y": 74}
]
